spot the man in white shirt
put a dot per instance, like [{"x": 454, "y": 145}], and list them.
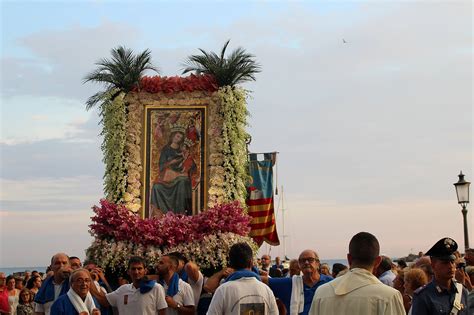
[
  {"x": 54, "y": 286},
  {"x": 243, "y": 292},
  {"x": 189, "y": 272},
  {"x": 358, "y": 291},
  {"x": 179, "y": 294},
  {"x": 142, "y": 296}
]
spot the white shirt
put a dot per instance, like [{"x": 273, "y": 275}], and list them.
[
  {"x": 387, "y": 278},
  {"x": 357, "y": 292},
  {"x": 184, "y": 296},
  {"x": 243, "y": 296},
  {"x": 129, "y": 301},
  {"x": 46, "y": 307},
  {"x": 196, "y": 287}
]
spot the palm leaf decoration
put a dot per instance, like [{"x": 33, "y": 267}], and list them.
[
  {"x": 238, "y": 67},
  {"x": 122, "y": 72}
]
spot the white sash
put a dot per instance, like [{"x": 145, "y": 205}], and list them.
[
  {"x": 81, "y": 306},
  {"x": 297, "y": 295},
  {"x": 457, "y": 306}
]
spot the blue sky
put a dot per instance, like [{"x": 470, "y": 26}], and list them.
[{"x": 371, "y": 133}]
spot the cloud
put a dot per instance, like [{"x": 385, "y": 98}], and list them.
[
  {"x": 341, "y": 111},
  {"x": 45, "y": 216},
  {"x": 327, "y": 225},
  {"x": 27, "y": 119},
  {"x": 38, "y": 235},
  {"x": 60, "y": 190},
  {"x": 68, "y": 155},
  {"x": 39, "y": 117},
  {"x": 61, "y": 58}
]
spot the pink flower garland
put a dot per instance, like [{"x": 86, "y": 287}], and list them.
[
  {"x": 112, "y": 221},
  {"x": 174, "y": 84}
]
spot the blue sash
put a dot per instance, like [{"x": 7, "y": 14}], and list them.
[
  {"x": 242, "y": 273},
  {"x": 173, "y": 286},
  {"x": 146, "y": 285},
  {"x": 183, "y": 275},
  {"x": 46, "y": 292}
]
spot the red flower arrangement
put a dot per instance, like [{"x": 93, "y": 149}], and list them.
[
  {"x": 174, "y": 84},
  {"x": 112, "y": 221}
]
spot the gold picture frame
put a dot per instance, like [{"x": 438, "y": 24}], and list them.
[{"x": 174, "y": 160}]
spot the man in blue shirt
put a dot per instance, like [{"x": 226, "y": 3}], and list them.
[
  {"x": 384, "y": 271},
  {"x": 297, "y": 292},
  {"x": 443, "y": 295}
]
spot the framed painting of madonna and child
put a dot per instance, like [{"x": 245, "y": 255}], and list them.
[{"x": 175, "y": 160}]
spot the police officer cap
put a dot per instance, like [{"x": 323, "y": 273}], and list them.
[{"x": 443, "y": 249}]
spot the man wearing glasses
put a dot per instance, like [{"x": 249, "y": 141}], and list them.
[
  {"x": 297, "y": 292},
  {"x": 78, "y": 299}
]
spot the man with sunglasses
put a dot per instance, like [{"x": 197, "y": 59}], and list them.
[{"x": 297, "y": 292}]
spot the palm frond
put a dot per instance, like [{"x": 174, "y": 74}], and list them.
[
  {"x": 122, "y": 71},
  {"x": 238, "y": 67},
  {"x": 95, "y": 99}
]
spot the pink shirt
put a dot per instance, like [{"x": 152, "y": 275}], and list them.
[{"x": 4, "y": 306}]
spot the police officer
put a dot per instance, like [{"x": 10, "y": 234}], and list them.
[{"x": 443, "y": 295}]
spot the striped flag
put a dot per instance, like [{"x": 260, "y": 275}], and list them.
[{"x": 260, "y": 200}]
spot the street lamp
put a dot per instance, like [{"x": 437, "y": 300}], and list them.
[{"x": 462, "y": 191}]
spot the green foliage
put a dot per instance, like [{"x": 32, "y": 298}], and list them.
[
  {"x": 237, "y": 68},
  {"x": 113, "y": 113},
  {"x": 123, "y": 72},
  {"x": 234, "y": 112}
]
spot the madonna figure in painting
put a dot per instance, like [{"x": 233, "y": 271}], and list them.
[{"x": 173, "y": 189}]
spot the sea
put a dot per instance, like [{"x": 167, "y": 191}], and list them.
[{"x": 16, "y": 270}]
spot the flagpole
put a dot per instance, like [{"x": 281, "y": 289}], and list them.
[{"x": 283, "y": 220}]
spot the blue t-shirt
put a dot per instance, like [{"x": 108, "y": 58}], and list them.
[{"x": 282, "y": 288}]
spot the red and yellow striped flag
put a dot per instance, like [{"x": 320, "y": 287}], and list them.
[{"x": 260, "y": 200}]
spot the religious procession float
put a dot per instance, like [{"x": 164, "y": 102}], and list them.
[{"x": 178, "y": 174}]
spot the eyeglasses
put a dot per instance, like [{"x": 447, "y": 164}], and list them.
[
  {"x": 307, "y": 259},
  {"x": 82, "y": 281}
]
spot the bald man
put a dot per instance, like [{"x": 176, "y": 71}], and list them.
[{"x": 54, "y": 286}]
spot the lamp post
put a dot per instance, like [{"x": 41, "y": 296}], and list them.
[{"x": 462, "y": 192}]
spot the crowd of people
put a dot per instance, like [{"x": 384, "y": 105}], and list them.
[{"x": 438, "y": 282}]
